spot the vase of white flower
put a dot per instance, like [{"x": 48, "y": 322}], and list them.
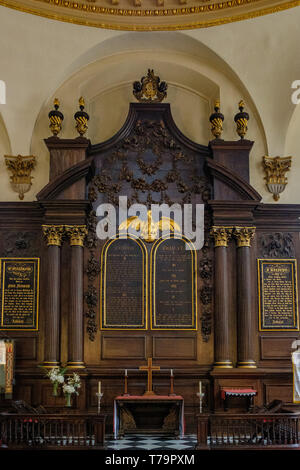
[
  {"x": 71, "y": 387},
  {"x": 56, "y": 375}
]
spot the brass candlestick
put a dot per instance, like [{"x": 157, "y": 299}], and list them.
[
  {"x": 99, "y": 397},
  {"x": 201, "y": 396},
  {"x": 126, "y": 394},
  {"x": 172, "y": 384}
]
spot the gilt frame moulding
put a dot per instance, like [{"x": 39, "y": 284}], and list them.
[{"x": 150, "y": 15}]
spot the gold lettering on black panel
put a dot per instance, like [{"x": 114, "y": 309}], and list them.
[
  {"x": 278, "y": 294},
  {"x": 124, "y": 284},
  {"x": 19, "y": 293},
  {"x": 173, "y": 284}
]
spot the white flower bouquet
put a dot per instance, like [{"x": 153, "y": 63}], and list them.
[
  {"x": 71, "y": 386},
  {"x": 56, "y": 375}
]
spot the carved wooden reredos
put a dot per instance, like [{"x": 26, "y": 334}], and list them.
[{"x": 150, "y": 161}]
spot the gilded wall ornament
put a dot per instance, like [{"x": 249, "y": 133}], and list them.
[
  {"x": 56, "y": 118},
  {"x": 275, "y": 169},
  {"x": 149, "y": 229},
  {"x": 53, "y": 234},
  {"x": 244, "y": 235},
  {"x": 150, "y": 89},
  {"x": 241, "y": 119},
  {"x": 21, "y": 168}
]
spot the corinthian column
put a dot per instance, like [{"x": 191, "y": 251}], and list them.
[
  {"x": 77, "y": 235},
  {"x": 245, "y": 341},
  {"x": 53, "y": 235},
  {"x": 223, "y": 348}
]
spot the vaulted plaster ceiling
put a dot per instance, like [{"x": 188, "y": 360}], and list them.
[{"x": 149, "y": 15}]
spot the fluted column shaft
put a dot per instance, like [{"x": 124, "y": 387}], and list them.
[
  {"x": 222, "y": 342},
  {"x": 53, "y": 235},
  {"x": 75, "y": 318},
  {"x": 245, "y": 342}
]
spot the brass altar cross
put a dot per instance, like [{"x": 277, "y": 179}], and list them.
[{"x": 149, "y": 368}]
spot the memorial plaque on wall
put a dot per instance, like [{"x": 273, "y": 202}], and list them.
[
  {"x": 173, "y": 285},
  {"x": 19, "y": 293},
  {"x": 124, "y": 284},
  {"x": 278, "y": 295}
]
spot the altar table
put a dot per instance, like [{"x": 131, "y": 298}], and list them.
[{"x": 156, "y": 401}]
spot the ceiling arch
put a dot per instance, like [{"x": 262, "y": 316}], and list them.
[{"x": 149, "y": 15}]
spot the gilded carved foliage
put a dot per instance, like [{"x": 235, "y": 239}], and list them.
[
  {"x": 221, "y": 235},
  {"x": 53, "y": 234},
  {"x": 244, "y": 235},
  {"x": 77, "y": 234}
]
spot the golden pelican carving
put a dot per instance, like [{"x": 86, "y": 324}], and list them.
[{"x": 148, "y": 228}]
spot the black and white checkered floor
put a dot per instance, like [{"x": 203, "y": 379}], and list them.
[{"x": 152, "y": 442}]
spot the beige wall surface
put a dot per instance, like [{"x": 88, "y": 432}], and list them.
[{"x": 255, "y": 59}]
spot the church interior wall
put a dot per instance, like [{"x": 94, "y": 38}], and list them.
[{"x": 57, "y": 60}]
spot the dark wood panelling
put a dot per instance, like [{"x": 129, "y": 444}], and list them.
[
  {"x": 120, "y": 347},
  {"x": 24, "y": 392},
  {"x": 282, "y": 392},
  {"x": 276, "y": 347},
  {"x": 170, "y": 347},
  {"x": 26, "y": 348}
]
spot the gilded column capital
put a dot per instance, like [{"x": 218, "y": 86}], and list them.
[
  {"x": 77, "y": 234},
  {"x": 244, "y": 235},
  {"x": 53, "y": 234},
  {"x": 221, "y": 235}
]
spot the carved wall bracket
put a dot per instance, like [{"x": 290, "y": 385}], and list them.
[
  {"x": 275, "y": 169},
  {"x": 21, "y": 168}
]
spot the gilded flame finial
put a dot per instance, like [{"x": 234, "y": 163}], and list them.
[
  {"x": 81, "y": 117},
  {"x": 150, "y": 89},
  {"x": 56, "y": 118},
  {"x": 241, "y": 119},
  {"x": 216, "y": 120}
]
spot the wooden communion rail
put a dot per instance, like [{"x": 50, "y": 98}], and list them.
[
  {"x": 49, "y": 431},
  {"x": 251, "y": 431}
]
